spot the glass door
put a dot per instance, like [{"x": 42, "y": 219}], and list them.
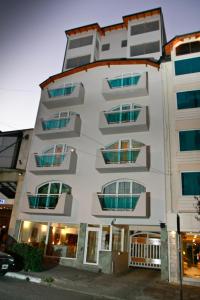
[{"x": 92, "y": 246}]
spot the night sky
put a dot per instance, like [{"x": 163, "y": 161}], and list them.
[{"x": 32, "y": 43}]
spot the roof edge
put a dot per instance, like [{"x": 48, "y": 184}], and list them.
[{"x": 100, "y": 63}]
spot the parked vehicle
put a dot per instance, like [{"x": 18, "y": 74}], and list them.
[{"x": 7, "y": 263}]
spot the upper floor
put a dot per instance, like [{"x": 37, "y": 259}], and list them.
[{"x": 140, "y": 35}]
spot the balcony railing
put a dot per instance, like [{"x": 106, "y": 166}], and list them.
[
  {"x": 55, "y": 123},
  {"x": 114, "y": 117},
  {"x": 123, "y": 81},
  {"x": 49, "y": 160},
  {"x": 118, "y": 202},
  {"x": 43, "y": 201},
  {"x": 120, "y": 156},
  {"x": 62, "y": 91},
  {"x": 70, "y": 94}
]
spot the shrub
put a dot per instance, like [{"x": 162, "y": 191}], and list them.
[{"x": 27, "y": 255}]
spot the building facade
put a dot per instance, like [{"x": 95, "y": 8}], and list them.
[
  {"x": 94, "y": 191},
  {"x": 14, "y": 150},
  {"x": 181, "y": 77}
]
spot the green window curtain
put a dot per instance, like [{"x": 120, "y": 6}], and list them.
[
  {"x": 61, "y": 91},
  {"x": 189, "y": 140},
  {"x": 187, "y": 66},
  {"x": 190, "y": 183},
  {"x": 188, "y": 99}
]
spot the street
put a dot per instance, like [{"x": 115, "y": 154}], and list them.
[{"x": 14, "y": 289}]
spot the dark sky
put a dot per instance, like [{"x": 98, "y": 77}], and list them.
[{"x": 32, "y": 43}]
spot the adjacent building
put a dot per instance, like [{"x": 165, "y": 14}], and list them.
[
  {"x": 94, "y": 191},
  {"x": 181, "y": 77},
  {"x": 14, "y": 150}
]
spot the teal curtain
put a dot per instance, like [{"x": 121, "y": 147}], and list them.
[
  {"x": 124, "y": 116},
  {"x": 190, "y": 183},
  {"x": 118, "y": 202},
  {"x": 189, "y": 140},
  {"x": 55, "y": 123},
  {"x": 61, "y": 91},
  {"x": 187, "y": 66},
  {"x": 43, "y": 201},
  {"x": 189, "y": 99},
  {"x": 49, "y": 160},
  {"x": 112, "y": 157}
]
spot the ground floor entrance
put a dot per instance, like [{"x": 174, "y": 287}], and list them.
[
  {"x": 5, "y": 215},
  {"x": 191, "y": 255},
  {"x": 144, "y": 250}
]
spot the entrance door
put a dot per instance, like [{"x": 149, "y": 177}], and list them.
[
  {"x": 145, "y": 250},
  {"x": 92, "y": 246}
]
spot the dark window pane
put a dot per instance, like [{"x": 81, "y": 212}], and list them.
[
  {"x": 105, "y": 47},
  {"x": 144, "y": 27},
  {"x": 190, "y": 183},
  {"x": 78, "y": 61},
  {"x": 187, "y": 66},
  {"x": 80, "y": 42},
  {"x": 189, "y": 99},
  {"x": 145, "y": 48},
  {"x": 124, "y": 43},
  {"x": 189, "y": 140},
  {"x": 188, "y": 48}
]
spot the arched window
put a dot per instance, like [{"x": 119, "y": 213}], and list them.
[
  {"x": 122, "y": 151},
  {"x": 123, "y": 113},
  {"x": 120, "y": 194},
  {"x": 188, "y": 48},
  {"x": 47, "y": 195}
]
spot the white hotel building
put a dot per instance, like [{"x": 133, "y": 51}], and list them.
[{"x": 94, "y": 192}]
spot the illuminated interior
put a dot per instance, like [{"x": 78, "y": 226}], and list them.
[{"x": 191, "y": 254}]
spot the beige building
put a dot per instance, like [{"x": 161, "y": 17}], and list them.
[{"x": 181, "y": 79}]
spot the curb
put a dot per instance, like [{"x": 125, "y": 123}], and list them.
[{"x": 23, "y": 277}]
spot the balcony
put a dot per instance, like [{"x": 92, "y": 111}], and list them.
[
  {"x": 125, "y": 86},
  {"x": 123, "y": 160},
  {"x": 50, "y": 204},
  {"x": 54, "y": 163},
  {"x": 133, "y": 120},
  {"x": 71, "y": 94},
  {"x": 59, "y": 127},
  {"x": 121, "y": 205}
]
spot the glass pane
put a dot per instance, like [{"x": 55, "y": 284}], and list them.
[
  {"x": 63, "y": 240},
  {"x": 124, "y": 188},
  {"x": 110, "y": 189},
  {"x": 66, "y": 189},
  {"x": 116, "y": 239},
  {"x": 43, "y": 189},
  {"x": 34, "y": 234},
  {"x": 187, "y": 66},
  {"x": 55, "y": 188},
  {"x": 190, "y": 183},
  {"x": 105, "y": 238},
  {"x": 188, "y": 99},
  {"x": 92, "y": 247},
  {"x": 189, "y": 140},
  {"x": 137, "y": 188}
]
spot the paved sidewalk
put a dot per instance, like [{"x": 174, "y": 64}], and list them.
[{"x": 139, "y": 284}]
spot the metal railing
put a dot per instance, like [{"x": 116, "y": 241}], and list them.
[{"x": 118, "y": 201}]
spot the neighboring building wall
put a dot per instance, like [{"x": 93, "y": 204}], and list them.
[
  {"x": 178, "y": 159},
  {"x": 12, "y": 167}
]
